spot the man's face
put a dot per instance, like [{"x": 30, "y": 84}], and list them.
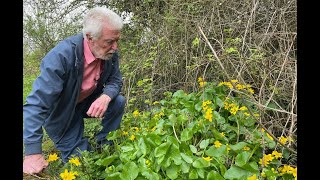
[{"x": 106, "y": 45}]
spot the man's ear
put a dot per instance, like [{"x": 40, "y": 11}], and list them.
[{"x": 89, "y": 37}]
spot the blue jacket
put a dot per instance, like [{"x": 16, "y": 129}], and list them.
[{"x": 55, "y": 92}]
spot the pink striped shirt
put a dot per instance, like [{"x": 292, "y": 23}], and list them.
[{"x": 91, "y": 72}]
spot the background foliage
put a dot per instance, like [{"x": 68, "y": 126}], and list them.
[{"x": 168, "y": 44}]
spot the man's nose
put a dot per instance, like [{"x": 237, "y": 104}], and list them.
[{"x": 114, "y": 46}]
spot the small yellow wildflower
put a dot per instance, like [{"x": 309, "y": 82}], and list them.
[
  {"x": 75, "y": 161},
  {"x": 201, "y": 84},
  {"x": 207, "y": 158},
  {"x": 234, "y": 81},
  {"x": 253, "y": 177},
  {"x": 66, "y": 175},
  {"x": 269, "y": 136},
  {"x": 217, "y": 144},
  {"x": 135, "y": 128},
  {"x": 208, "y": 114},
  {"x": 240, "y": 86},
  {"x": 243, "y": 108},
  {"x": 276, "y": 154},
  {"x": 228, "y": 148},
  {"x": 52, "y": 157},
  {"x": 132, "y": 137},
  {"x": 246, "y": 114},
  {"x": 251, "y": 90},
  {"x": 283, "y": 140},
  {"x": 135, "y": 113},
  {"x": 125, "y": 133},
  {"x": 222, "y": 134},
  {"x": 246, "y": 148}
]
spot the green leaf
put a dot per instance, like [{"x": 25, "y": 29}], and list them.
[
  {"x": 238, "y": 146},
  {"x": 252, "y": 167},
  {"x": 200, "y": 173},
  {"x": 204, "y": 143},
  {"x": 217, "y": 135},
  {"x": 236, "y": 172},
  {"x": 220, "y": 119},
  {"x": 186, "y": 134},
  {"x": 200, "y": 163},
  {"x": 142, "y": 146},
  {"x": 193, "y": 174},
  {"x": 214, "y": 175},
  {"x": 130, "y": 171},
  {"x": 172, "y": 118},
  {"x": 162, "y": 149},
  {"x": 150, "y": 175},
  {"x": 187, "y": 158},
  {"x": 193, "y": 149},
  {"x": 180, "y": 94},
  {"x": 218, "y": 101},
  {"x": 106, "y": 161},
  {"x": 127, "y": 148},
  {"x": 216, "y": 152},
  {"x": 185, "y": 167},
  {"x": 198, "y": 106},
  {"x": 113, "y": 176},
  {"x": 172, "y": 171},
  {"x": 174, "y": 153},
  {"x": 242, "y": 158}
]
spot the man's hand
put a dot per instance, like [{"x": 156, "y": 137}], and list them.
[
  {"x": 34, "y": 163},
  {"x": 99, "y": 106}
]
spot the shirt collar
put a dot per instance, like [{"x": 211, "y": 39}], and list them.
[{"x": 88, "y": 56}]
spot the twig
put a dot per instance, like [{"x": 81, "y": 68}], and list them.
[{"x": 214, "y": 52}]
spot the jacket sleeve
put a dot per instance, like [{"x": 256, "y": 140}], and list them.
[
  {"x": 45, "y": 92},
  {"x": 114, "y": 81}
]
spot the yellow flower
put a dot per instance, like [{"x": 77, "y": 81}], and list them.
[
  {"x": 222, "y": 134},
  {"x": 283, "y": 140},
  {"x": 234, "y": 81},
  {"x": 217, "y": 144},
  {"x": 240, "y": 86},
  {"x": 132, "y": 137},
  {"x": 246, "y": 114},
  {"x": 228, "y": 148},
  {"x": 276, "y": 154},
  {"x": 200, "y": 79},
  {"x": 243, "y": 108},
  {"x": 208, "y": 114},
  {"x": 125, "y": 133},
  {"x": 66, "y": 175},
  {"x": 207, "y": 158},
  {"x": 246, "y": 148},
  {"x": 269, "y": 136},
  {"x": 75, "y": 161},
  {"x": 135, "y": 113},
  {"x": 148, "y": 163},
  {"x": 52, "y": 157},
  {"x": 253, "y": 177},
  {"x": 201, "y": 84}
]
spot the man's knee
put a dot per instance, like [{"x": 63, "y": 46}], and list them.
[{"x": 120, "y": 101}]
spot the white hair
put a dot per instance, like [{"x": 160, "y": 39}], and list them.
[{"x": 99, "y": 17}]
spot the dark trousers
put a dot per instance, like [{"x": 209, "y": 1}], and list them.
[{"x": 73, "y": 140}]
